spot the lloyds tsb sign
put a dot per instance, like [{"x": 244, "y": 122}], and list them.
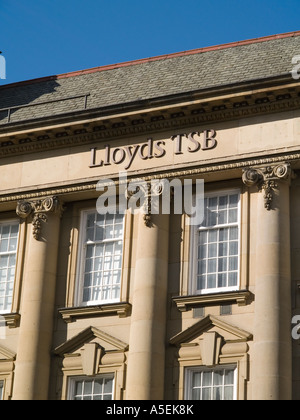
[{"x": 153, "y": 149}]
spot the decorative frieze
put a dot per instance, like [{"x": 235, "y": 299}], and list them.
[
  {"x": 39, "y": 210},
  {"x": 266, "y": 178}
]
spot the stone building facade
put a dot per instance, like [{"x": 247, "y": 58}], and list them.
[{"x": 151, "y": 305}]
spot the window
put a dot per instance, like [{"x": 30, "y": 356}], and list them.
[
  {"x": 8, "y": 254},
  {"x": 1, "y": 390},
  {"x": 211, "y": 384},
  {"x": 101, "y": 258},
  {"x": 100, "y": 388},
  {"x": 216, "y": 243}
]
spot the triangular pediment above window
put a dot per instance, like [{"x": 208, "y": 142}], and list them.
[
  {"x": 228, "y": 331},
  {"x": 89, "y": 336},
  {"x": 211, "y": 339},
  {"x": 6, "y": 354}
]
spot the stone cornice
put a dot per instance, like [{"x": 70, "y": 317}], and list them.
[{"x": 85, "y": 131}]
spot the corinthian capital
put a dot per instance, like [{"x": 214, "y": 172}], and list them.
[
  {"x": 266, "y": 178},
  {"x": 39, "y": 210}
]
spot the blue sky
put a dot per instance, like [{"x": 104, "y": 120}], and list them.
[{"x": 47, "y": 37}]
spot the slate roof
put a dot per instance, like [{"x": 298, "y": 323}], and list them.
[{"x": 156, "y": 77}]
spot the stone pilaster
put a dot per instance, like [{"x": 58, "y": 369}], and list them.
[
  {"x": 271, "y": 362},
  {"x": 38, "y": 298}
]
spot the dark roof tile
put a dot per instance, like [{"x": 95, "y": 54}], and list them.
[{"x": 152, "y": 78}]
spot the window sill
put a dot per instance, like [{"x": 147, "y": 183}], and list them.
[
  {"x": 12, "y": 320},
  {"x": 186, "y": 303},
  {"x": 122, "y": 309}
]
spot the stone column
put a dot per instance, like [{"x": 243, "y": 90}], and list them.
[
  {"x": 146, "y": 363},
  {"x": 272, "y": 358},
  {"x": 38, "y": 296}
]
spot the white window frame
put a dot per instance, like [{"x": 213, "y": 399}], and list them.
[
  {"x": 194, "y": 248},
  {"x": 189, "y": 377},
  {"x": 1, "y": 390},
  {"x": 11, "y": 222},
  {"x": 82, "y": 259},
  {"x": 72, "y": 382}
]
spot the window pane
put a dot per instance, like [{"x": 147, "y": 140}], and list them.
[
  {"x": 233, "y": 216},
  {"x": 202, "y": 266},
  {"x": 233, "y": 263},
  {"x": 99, "y": 234},
  {"x": 232, "y": 279},
  {"x": 90, "y": 234},
  {"x": 213, "y": 203},
  {"x": 233, "y": 248},
  {"x": 88, "y": 387},
  {"x": 197, "y": 379},
  {"x": 233, "y": 200},
  {"x": 223, "y": 264},
  {"x": 201, "y": 283},
  {"x": 228, "y": 393},
  {"x": 207, "y": 378},
  {"x": 213, "y": 236},
  {"x": 222, "y": 218},
  {"x": 229, "y": 377},
  {"x": 223, "y": 202},
  {"x": 212, "y": 218},
  {"x": 212, "y": 250},
  {"x": 217, "y": 394},
  {"x": 98, "y": 386},
  {"x": 218, "y": 377},
  {"x": 222, "y": 280},
  {"x": 108, "y": 384},
  {"x": 4, "y": 245},
  {"x": 91, "y": 220},
  {"x": 212, "y": 265},
  {"x": 79, "y": 388},
  {"x": 196, "y": 394},
  {"x": 202, "y": 251},
  {"x": 223, "y": 249},
  {"x": 100, "y": 219},
  {"x": 90, "y": 251},
  {"x": 211, "y": 281},
  {"x": 234, "y": 233},
  {"x": 203, "y": 238},
  {"x": 206, "y": 394}
]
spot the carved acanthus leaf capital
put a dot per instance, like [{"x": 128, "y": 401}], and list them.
[
  {"x": 149, "y": 193},
  {"x": 39, "y": 210},
  {"x": 266, "y": 178}
]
